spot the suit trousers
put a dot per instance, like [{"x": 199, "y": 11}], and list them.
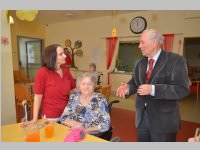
[{"x": 146, "y": 135}]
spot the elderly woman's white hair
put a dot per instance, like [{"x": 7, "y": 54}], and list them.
[
  {"x": 82, "y": 76},
  {"x": 155, "y": 35}
]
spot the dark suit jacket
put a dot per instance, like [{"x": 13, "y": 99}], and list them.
[{"x": 170, "y": 77}]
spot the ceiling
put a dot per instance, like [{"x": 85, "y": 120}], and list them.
[{"x": 56, "y": 16}]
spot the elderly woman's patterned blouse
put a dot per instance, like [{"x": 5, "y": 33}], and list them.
[{"x": 94, "y": 114}]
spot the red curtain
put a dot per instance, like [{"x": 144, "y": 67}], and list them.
[
  {"x": 168, "y": 42},
  {"x": 110, "y": 44}
]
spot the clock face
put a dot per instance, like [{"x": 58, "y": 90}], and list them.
[{"x": 138, "y": 24}]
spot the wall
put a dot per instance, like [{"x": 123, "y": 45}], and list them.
[
  {"x": 91, "y": 31},
  {"x": 23, "y": 28},
  {"x": 8, "y": 112},
  {"x": 116, "y": 79}
]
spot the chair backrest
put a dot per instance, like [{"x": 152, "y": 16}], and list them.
[
  {"x": 22, "y": 92},
  {"x": 19, "y": 76},
  {"x": 107, "y": 135},
  {"x": 110, "y": 105},
  {"x": 99, "y": 79},
  {"x": 106, "y": 91}
]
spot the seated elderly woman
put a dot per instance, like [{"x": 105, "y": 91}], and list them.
[{"x": 86, "y": 109}]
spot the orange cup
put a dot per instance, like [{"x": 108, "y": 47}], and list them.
[
  {"x": 32, "y": 133},
  {"x": 33, "y": 137},
  {"x": 49, "y": 130}
]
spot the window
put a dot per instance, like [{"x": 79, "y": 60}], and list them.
[{"x": 129, "y": 53}]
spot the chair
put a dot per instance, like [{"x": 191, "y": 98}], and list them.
[
  {"x": 107, "y": 135},
  {"x": 193, "y": 87},
  {"x": 22, "y": 93},
  {"x": 106, "y": 91},
  {"x": 99, "y": 79}
]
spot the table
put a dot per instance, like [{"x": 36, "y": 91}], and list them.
[{"x": 14, "y": 133}]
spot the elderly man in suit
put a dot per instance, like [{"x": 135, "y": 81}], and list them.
[{"x": 160, "y": 79}]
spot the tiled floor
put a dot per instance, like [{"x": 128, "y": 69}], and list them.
[{"x": 189, "y": 107}]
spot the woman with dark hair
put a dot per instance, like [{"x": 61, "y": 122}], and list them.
[{"x": 52, "y": 85}]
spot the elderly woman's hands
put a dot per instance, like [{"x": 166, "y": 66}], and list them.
[{"x": 73, "y": 124}]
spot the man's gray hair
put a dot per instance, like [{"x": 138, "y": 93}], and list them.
[
  {"x": 85, "y": 75},
  {"x": 155, "y": 35},
  {"x": 93, "y": 65}
]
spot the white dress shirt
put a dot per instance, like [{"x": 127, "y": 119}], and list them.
[{"x": 155, "y": 58}]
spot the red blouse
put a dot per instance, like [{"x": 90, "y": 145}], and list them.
[{"x": 55, "y": 90}]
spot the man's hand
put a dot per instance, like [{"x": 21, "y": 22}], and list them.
[
  {"x": 144, "y": 89},
  {"x": 122, "y": 90}
]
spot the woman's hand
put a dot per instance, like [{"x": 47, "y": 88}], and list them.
[
  {"x": 77, "y": 125},
  {"x": 25, "y": 124},
  {"x": 73, "y": 124}
]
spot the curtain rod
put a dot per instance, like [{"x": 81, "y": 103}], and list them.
[{"x": 139, "y": 35}]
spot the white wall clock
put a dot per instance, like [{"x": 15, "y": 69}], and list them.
[{"x": 138, "y": 25}]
